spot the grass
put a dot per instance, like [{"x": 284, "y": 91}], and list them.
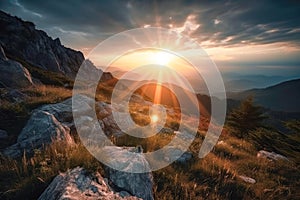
[
  {"x": 217, "y": 175},
  {"x": 14, "y": 115},
  {"x": 214, "y": 177},
  {"x": 27, "y": 178}
]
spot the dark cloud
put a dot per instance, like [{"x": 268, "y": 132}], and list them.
[{"x": 83, "y": 23}]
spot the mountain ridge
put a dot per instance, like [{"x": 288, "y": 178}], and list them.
[
  {"x": 21, "y": 39},
  {"x": 280, "y": 97}
]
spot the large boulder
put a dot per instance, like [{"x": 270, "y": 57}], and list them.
[
  {"x": 128, "y": 160},
  {"x": 53, "y": 122},
  {"x": 47, "y": 123},
  {"x": 12, "y": 73},
  {"x": 78, "y": 184},
  {"x": 41, "y": 129}
]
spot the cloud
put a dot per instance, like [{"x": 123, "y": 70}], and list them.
[
  {"x": 190, "y": 25},
  {"x": 211, "y": 23}
]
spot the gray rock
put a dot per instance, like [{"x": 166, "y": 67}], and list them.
[
  {"x": 92, "y": 74},
  {"x": 137, "y": 184},
  {"x": 12, "y": 73},
  {"x": 3, "y": 134},
  {"x": 47, "y": 123},
  {"x": 53, "y": 122},
  {"x": 104, "y": 109},
  {"x": 77, "y": 184},
  {"x": 110, "y": 126},
  {"x": 270, "y": 155},
  {"x": 41, "y": 129}
]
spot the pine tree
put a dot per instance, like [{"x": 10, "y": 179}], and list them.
[{"x": 246, "y": 117}]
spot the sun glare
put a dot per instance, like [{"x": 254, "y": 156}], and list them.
[
  {"x": 161, "y": 58},
  {"x": 154, "y": 118}
]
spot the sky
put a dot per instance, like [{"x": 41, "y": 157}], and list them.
[{"x": 243, "y": 37}]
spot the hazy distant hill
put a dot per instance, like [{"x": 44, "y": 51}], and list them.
[
  {"x": 281, "y": 97},
  {"x": 237, "y": 83}
]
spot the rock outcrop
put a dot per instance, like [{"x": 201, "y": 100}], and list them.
[
  {"x": 12, "y": 73},
  {"x": 42, "y": 128},
  {"x": 21, "y": 40},
  {"x": 136, "y": 184},
  {"x": 92, "y": 74},
  {"x": 78, "y": 184},
  {"x": 54, "y": 121}
]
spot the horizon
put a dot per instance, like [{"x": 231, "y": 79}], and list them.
[{"x": 268, "y": 45}]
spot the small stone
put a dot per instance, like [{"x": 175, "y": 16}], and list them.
[{"x": 247, "y": 179}]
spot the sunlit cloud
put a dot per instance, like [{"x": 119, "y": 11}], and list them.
[
  {"x": 190, "y": 25},
  {"x": 230, "y": 31},
  {"x": 216, "y": 21}
]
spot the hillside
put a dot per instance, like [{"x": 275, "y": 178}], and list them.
[
  {"x": 22, "y": 40},
  {"x": 281, "y": 97}
]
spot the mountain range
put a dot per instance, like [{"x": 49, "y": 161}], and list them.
[{"x": 281, "y": 97}]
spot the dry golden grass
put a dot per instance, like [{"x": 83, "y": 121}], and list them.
[
  {"x": 43, "y": 94},
  {"x": 29, "y": 177},
  {"x": 214, "y": 177}
]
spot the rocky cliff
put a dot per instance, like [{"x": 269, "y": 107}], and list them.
[{"x": 22, "y": 40}]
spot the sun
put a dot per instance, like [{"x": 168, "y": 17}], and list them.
[
  {"x": 154, "y": 118},
  {"x": 161, "y": 58}
]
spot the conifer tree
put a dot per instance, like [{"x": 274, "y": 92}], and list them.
[{"x": 246, "y": 117}]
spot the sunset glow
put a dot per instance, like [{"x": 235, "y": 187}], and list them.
[{"x": 161, "y": 58}]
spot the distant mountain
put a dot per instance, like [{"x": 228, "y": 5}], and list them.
[
  {"x": 238, "y": 83},
  {"x": 20, "y": 39},
  {"x": 281, "y": 97}
]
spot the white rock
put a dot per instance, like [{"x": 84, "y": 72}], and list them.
[
  {"x": 137, "y": 184},
  {"x": 247, "y": 179},
  {"x": 13, "y": 74},
  {"x": 78, "y": 184},
  {"x": 270, "y": 155},
  {"x": 42, "y": 128}
]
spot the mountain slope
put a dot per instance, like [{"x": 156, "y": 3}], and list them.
[
  {"x": 281, "y": 97},
  {"x": 20, "y": 39}
]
